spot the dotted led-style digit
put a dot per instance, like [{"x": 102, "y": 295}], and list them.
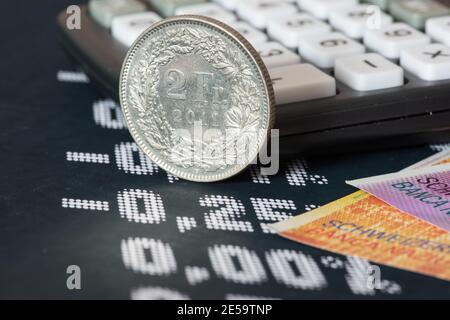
[
  {"x": 257, "y": 177},
  {"x": 391, "y": 287},
  {"x": 306, "y": 275},
  {"x": 332, "y": 262},
  {"x": 72, "y": 76},
  {"x": 172, "y": 178},
  {"x": 237, "y": 264},
  {"x": 87, "y": 157},
  {"x": 130, "y": 159},
  {"x": 272, "y": 210},
  {"x": 357, "y": 276},
  {"x": 108, "y": 115},
  {"x": 152, "y": 205},
  {"x": 310, "y": 207},
  {"x": 297, "y": 174},
  {"x": 186, "y": 223},
  {"x": 84, "y": 204},
  {"x": 196, "y": 275},
  {"x": 226, "y": 215},
  {"x": 440, "y": 147},
  {"x": 148, "y": 256}
]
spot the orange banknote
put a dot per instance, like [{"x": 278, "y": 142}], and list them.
[{"x": 364, "y": 226}]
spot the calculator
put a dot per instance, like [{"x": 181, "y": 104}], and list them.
[{"x": 347, "y": 74}]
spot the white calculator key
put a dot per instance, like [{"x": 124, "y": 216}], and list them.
[
  {"x": 210, "y": 10},
  {"x": 127, "y": 28},
  {"x": 289, "y": 29},
  {"x": 389, "y": 41},
  {"x": 258, "y": 12},
  {"x": 368, "y": 72},
  {"x": 228, "y": 4},
  {"x": 275, "y": 55},
  {"x": 353, "y": 21},
  {"x": 439, "y": 29},
  {"x": 301, "y": 82},
  {"x": 253, "y": 35},
  {"x": 324, "y": 49},
  {"x": 430, "y": 62},
  {"x": 321, "y": 8}
]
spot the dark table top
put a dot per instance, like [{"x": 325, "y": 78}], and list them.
[{"x": 147, "y": 234}]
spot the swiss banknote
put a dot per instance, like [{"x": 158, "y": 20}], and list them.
[
  {"x": 363, "y": 225},
  {"x": 423, "y": 193}
]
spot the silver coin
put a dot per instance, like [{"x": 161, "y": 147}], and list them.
[{"x": 197, "y": 98}]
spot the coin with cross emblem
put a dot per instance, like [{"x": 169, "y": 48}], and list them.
[{"x": 197, "y": 98}]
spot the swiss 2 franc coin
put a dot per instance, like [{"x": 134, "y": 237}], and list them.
[{"x": 197, "y": 98}]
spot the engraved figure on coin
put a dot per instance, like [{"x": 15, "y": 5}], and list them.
[{"x": 223, "y": 95}]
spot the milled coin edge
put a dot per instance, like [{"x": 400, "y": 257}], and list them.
[{"x": 264, "y": 78}]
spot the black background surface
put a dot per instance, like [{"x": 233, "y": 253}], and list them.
[{"x": 42, "y": 119}]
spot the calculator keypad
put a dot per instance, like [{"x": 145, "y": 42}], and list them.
[
  {"x": 324, "y": 49},
  {"x": 127, "y": 28},
  {"x": 383, "y": 4},
  {"x": 431, "y": 62},
  {"x": 439, "y": 29},
  {"x": 228, "y": 4},
  {"x": 301, "y": 82},
  {"x": 322, "y": 8},
  {"x": 416, "y": 12},
  {"x": 368, "y": 72},
  {"x": 355, "y": 20},
  {"x": 210, "y": 10},
  {"x": 258, "y": 12},
  {"x": 275, "y": 55},
  {"x": 254, "y": 36},
  {"x": 288, "y": 30},
  {"x": 168, "y": 7},
  {"x": 302, "y": 42},
  {"x": 104, "y": 11},
  {"x": 391, "y": 40}
]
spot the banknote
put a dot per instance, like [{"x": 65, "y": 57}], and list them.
[
  {"x": 423, "y": 193},
  {"x": 364, "y": 226}
]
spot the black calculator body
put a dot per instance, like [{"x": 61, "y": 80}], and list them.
[{"x": 416, "y": 112}]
